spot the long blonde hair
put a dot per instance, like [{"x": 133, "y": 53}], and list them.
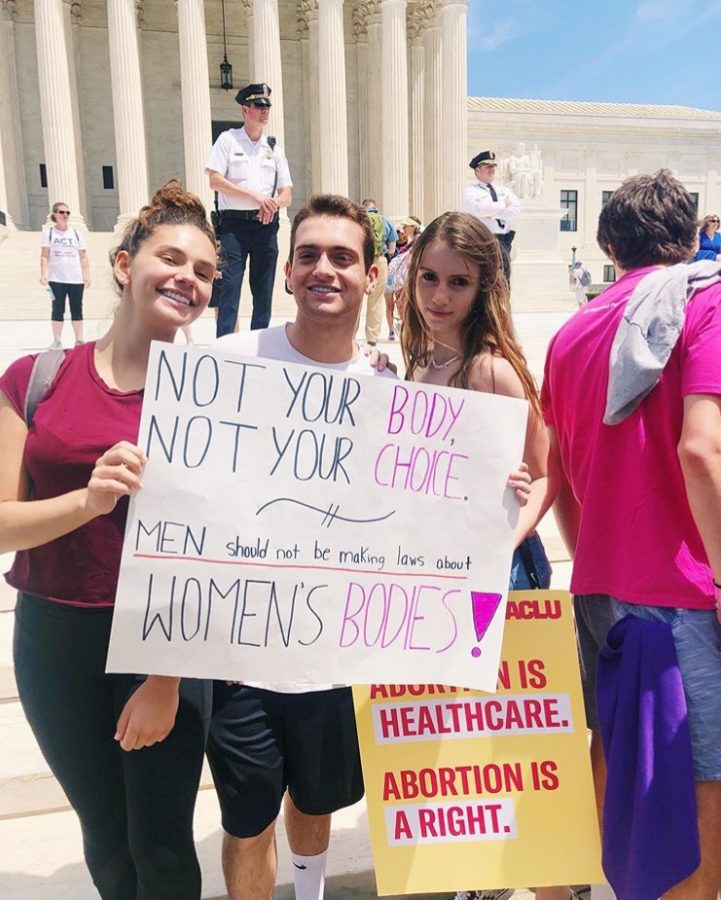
[{"x": 488, "y": 327}]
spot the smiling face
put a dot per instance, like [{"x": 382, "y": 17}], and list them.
[
  {"x": 327, "y": 272},
  {"x": 170, "y": 278},
  {"x": 445, "y": 291}
]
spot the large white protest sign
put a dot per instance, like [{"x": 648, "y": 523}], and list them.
[{"x": 300, "y": 524}]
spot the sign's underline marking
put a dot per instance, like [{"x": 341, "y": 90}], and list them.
[{"x": 263, "y": 565}]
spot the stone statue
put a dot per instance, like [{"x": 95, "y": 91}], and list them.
[{"x": 523, "y": 173}]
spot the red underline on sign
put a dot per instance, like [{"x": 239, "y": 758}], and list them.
[{"x": 263, "y": 565}]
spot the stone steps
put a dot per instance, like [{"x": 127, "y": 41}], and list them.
[
  {"x": 42, "y": 856},
  {"x": 41, "y": 848},
  {"x": 23, "y": 297}
]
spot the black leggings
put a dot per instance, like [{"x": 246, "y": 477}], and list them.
[
  {"x": 135, "y": 808},
  {"x": 74, "y": 293}
]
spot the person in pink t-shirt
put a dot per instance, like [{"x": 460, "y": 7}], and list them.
[
  {"x": 64, "y": 483},
  {"x": 639, "y": 502}
]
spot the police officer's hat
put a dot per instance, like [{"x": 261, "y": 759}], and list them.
[
  {"x": 484, "y": 158},
  {"x": 254, "y": 95}
]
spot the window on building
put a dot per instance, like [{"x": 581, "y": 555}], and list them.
[
  {"x": 694, "y": 197},
  {"x": 605, "y": 197},
  {"x": 217, "y": 128},
  {"x": 43, "y": 175},
  {"x": 569, "y": 201},
  {"x": 108, "y": 178},
  {"x": 609, "y": 274}
]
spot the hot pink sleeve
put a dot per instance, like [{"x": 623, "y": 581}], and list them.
[
  {"x": 702, "y": 345},
  {"x": 14, "y": 382}
]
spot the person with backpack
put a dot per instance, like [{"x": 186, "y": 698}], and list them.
[
  {"x": 65, "y": 271},
  {"x": 250, "y": 176},
  {"x": 126, "y": 749},
  {"x": 385, "y": 238},
  {"x": 582, "y": 281}
]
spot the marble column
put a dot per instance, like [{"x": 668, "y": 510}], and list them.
[
  {"x": 454, "y": 155},
  {"x": 331, "y": 87},
  {"x": 195, "y": 91},
  {"x": 16, "y": 199},
  {"x": 314, "y": 104},
  {"x": 130, "y": 145},
  {"x": 72, "y": 16},
  {"x": 267, "y": 65},
  {"x": 310, "y": 123},
  {"x": 373, "y": 87},
  {"x": 394, "y": 108},
  {"x": 56, "y": 107},
  {"x": 362, "y": 108},
  {"x": 416, "y": 95},
  {"x": 433, "y": 180},
  {"x": 242, "y": 80},
  {"x": 4, "y": 206}
]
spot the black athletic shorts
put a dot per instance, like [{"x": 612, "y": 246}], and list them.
[{"x": 262, "y": 743}]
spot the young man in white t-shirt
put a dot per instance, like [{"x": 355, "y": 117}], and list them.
[{"x": 269, "y": 738}]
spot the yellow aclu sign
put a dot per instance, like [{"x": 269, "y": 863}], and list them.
[{"x": 473, "y": 790}]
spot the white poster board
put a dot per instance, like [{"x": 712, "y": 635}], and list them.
[{"x": 303, "y": 525}]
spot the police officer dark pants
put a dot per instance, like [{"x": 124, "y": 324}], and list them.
[
  {"x": 241, "y": 238},
  {"x": 505, "y": 241}
]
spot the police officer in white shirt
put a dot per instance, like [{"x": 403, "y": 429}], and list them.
[
  {"x": 250, "y": 175},
  {"x": 497, "y": 207}
]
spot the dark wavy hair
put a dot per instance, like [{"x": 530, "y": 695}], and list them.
[
  {"x": 170, "y": 205},
  {"x": 341, "y": 208},
  {"x": 488, "y": 327},
  {"x": 649, "y": 220}
]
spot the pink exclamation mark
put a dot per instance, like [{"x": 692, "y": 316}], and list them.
[{"x": 484, "y": 609}]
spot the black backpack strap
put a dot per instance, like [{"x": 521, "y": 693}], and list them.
[{"x": 45, "y": 368}]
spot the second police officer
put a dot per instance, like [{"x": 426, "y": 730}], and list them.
[{"x": 249, "y": 173}]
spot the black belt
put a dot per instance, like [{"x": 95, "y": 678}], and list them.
[{"x": 239, "y": 215}]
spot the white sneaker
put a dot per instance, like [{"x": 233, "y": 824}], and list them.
[{"x": 56, "y": 345}]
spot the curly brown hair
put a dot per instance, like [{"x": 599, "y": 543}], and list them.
[
  {"x": 649, "y": 220},
  {"x": 488, "y": 327},
  {"x": 170, "y": 205}
]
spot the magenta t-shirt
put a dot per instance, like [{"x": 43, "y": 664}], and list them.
[
  {"x": 77, "y": 420},
  {"x": 637, "y": 540}
]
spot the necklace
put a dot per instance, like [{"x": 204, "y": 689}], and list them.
[{"x": 444, "y": 365}]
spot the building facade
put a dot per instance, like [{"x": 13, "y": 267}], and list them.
[
  {"x": 103, "y": 100},
  {"x": 588, "y": 149}
]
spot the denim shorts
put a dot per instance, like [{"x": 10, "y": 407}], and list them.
[
  {"x": 697, "y": 636},
  {"x": 594, "y": 617}
]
